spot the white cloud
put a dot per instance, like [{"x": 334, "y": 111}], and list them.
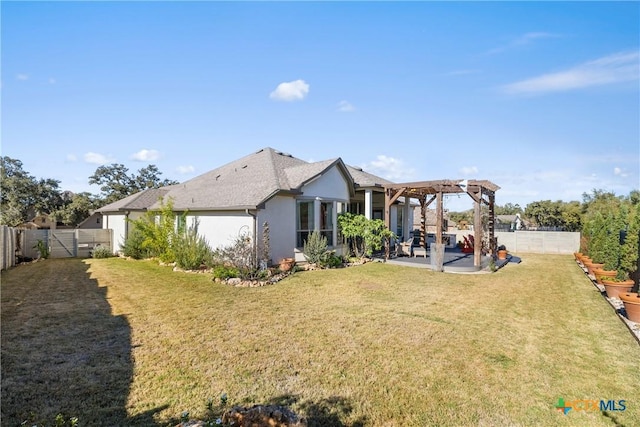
[
  {"x": 620, "y": 172},
  {"x": 98, "y": 159},
  {"x": 615, "y": 68},
  {"x": 390, "y": 168},
  {"x": 72, "y": 158},
  {"x": 345, "y": 107},
  {"x": 469, "y": 170},
  {"x": 185, "y": 169},
  {"x": 22, "y": 77},
  {"x": 290, "y": 91},
  {"x": 145, "y": 155},
  {"x": 523, "y": 40}
]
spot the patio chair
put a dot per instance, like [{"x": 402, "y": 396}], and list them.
[{"x": 404, "y": 248}]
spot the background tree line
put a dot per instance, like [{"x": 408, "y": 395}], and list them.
[
  {"x": 22, "y": 196},
  {"x": 567, "y": 216}
]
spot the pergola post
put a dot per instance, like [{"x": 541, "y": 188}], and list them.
[
  {"x": 493, "y": 242},
  {"x": 477, "y": 229},
  {"x": 423, "y": 222},
  {"x": 439, "y": 217}
]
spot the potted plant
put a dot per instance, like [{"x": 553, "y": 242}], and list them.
[
  {"x": 602, "y": 274},
  {"x": 502, "y": 252},
  {"x": 615, "y": 286},
  {"x": 592, "y": 266},
  {"x": 631, "y": 302},
  {"x": 286, "y": 264}
]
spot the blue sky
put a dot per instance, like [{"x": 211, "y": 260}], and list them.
[{"x": 541, "y": 98}]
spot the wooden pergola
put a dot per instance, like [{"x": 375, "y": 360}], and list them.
[{"x": 481, "y": 191}]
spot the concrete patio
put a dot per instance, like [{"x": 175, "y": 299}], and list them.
[{"x": 455, "y": 261}]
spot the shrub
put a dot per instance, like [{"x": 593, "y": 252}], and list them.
[
  {"x": 334, "y": 261},
  {"x": 190, "y": 249},
  {"x": 101, "y": 252},
  {"x": 158, "y": 229},
  {"x": 315, "y": 249},
  {"x": 43, "y": 249},
  {"x": 225, "y": 272},
  {"x": 240, "y": 254},
  {"x": 133, "y": 246}
]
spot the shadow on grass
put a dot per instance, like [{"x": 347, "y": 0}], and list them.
[
  {"x": 612, "y": 418},
  {"x": 328, "y": 412},
  {"x": 63, "y": 351}
]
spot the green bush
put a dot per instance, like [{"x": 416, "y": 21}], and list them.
[
  {"x": 190, "y": 249},
  {"x": 315, "y": 249},
  {"x": 225, "y": 272},
  {"x": 334, "y": 261},
  {"x": 101, "y": 252},
  {"x": 134, "y": 245},
  {"x": 42, "y": 248}
]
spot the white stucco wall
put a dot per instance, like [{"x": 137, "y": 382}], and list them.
[
  {"x": 221, "y": 228},
  {"x": 280, "y": 213},
  {"x": 117, "y": 223},
  {"x": 330, "y": 185}
]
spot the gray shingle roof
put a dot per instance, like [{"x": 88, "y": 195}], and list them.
[
  {"x": 365, "y": 179},
  {"x": 241, "y": 184}
]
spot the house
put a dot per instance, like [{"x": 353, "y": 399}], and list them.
[
  {"x": 93, "y": 221},
  {"x": 292, "y": 196},
  {"x": 41, "y": 221}
]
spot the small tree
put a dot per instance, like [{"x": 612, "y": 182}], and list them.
[
  {"x": 629, "y": 250},
  {"x": 158, "y": 229},
  {"x": 364, "y": 235}
]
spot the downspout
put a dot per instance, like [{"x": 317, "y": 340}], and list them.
[{"x": 255, "y": 232}]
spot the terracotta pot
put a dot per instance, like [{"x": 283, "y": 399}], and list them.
[
  {"x": 631, "y": 302},
  {"x": 502, "y": 254},
  {"x": 603, "y": 274},
  {"x": 578, "y": 256},
  {"x": 592, "y": 266},
  {"x": 286, "y": 264},
  {"x": 614, "y": 289}
]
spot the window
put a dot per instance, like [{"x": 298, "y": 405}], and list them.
[
  {"x": 326, "y": 221},
  {"x": 305, "y": 222},
  {"x": 181, "y": 224},
  {"x": 399, "y": 210}
]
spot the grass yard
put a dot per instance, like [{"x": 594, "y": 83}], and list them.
[{"x": 117, "y": 342}]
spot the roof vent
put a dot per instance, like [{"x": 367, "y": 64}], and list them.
[
  {"x": 277, "y": 152},
  {"x": 260, "y": 150},
  {"x": 217, "y": 177},
  {"x": 287, "y": 154},
  {"x": 244, "y": 166},
  {"x": 358, "y": 168}
]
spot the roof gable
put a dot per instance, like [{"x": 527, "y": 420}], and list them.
[{"x": 246, "y": 183}]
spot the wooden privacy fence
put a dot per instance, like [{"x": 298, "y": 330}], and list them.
[{"x": 61, "y": 243}]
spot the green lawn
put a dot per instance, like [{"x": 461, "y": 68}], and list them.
[{"x": 119, "y": 342}]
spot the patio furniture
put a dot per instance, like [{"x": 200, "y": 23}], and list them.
[
  {"x": 404, "y": 248},
  {"x": 419, "y": 250}
]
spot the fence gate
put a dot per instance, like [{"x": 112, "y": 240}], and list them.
[{"x": 62, "y": 243}]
